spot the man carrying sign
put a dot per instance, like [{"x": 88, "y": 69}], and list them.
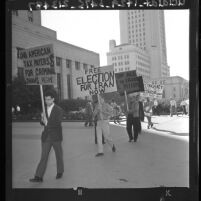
[
  {"x": 51, "y": 137},
  {"x": 103, "y": 111}
]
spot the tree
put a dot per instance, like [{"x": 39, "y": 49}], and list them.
[{"x": 26, "y": 96}]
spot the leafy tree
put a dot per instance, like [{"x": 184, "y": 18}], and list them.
[{"x": 26, "y": 96}]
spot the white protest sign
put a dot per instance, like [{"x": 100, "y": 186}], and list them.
[
  {"x": 97, "y": 80},
  {"x": 39, "y": 65},
  {"x": 153, "y": 89}
]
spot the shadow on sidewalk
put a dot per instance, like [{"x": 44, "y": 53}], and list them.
[{"x": 171, "y": 132}]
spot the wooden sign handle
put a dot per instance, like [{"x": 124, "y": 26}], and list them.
[
  {"x": 126, "y": 100},
  {"x": 42, "y": 99}
]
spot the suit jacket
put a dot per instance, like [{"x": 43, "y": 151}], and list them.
[
  {"x": 141, "y": 110},
  {"x": 53, "y": 130}
]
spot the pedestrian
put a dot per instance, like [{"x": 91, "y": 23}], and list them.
[
  {"x": 173, "y": 107},
  {"x": 187, "y": 106},
  {"x": 51, "y": 137},
  {"x": 134, "y": 117},
  {"x": 155, "y": 107},
  {"x": 183, "y": 105},
  {"x": 88, "y": 113},
  {"x": 116, "y": 111},
  {"x": 148, "y": 111},
  {"x": 141, "y": 103},
  {"x": 103, "y": 111},
  {"x": 95, "y": 125}
]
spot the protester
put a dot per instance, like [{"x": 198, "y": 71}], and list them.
[
  {"x": 155, "y": 107},
  {"x": 173, "y": 107},
  {"x": 141, "y": 103},
  {"x": 148, "y": 111},
  {"x": 133, "y": 117},
  {"x": 116, "y": 111},
  {"x": 88, "y": 113},
  {"x": 51, "y": 137},
  {"x": 183, "y": 105},
  {"x": 187, "y": 106},
  {"x": 103, "y": 111}
]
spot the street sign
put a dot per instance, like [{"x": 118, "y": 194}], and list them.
[{"x": 39, "y": 65}]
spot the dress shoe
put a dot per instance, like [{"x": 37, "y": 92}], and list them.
[
  {"x": 59, "y": 175},
  {"x": 99, "y": 154},
  {"x": 152, "y": 125},
  {"x": 113, "y": 148},
  {"x": 36, "y": 179}
]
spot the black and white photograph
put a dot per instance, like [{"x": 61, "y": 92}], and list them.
[{"x": 100, "y": 98}]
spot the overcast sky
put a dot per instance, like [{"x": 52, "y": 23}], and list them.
[{"x": 92, "y": 30}]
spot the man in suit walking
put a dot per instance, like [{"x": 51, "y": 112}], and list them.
[
  {"x": 51, "y": 137},
  {"x": 134, "y": 117}
]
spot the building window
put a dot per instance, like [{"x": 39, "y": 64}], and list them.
[
  {"x": 30, "y": 16},
  {"x": 68, "y": 63},
  {"x": 77, "y": 65},
  {"x": 69, "y": 86},
  {"x": 58, "y": 61},
  {"x": 20, "y": 72},
  {"x": 85, "y": 67}
]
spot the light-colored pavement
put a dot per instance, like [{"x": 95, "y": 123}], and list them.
[{"x": 157, "y": 159}]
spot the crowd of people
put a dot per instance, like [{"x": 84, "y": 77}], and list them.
[{"x": 98, "y": 113}]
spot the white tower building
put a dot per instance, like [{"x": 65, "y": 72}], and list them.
[{"x": 146, "y": 29}]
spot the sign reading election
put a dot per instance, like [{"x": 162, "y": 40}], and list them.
[
  {"x": 39, "y": 65},
  {"x": 129, "y": 82},
  {"x": 97, "y": 80}
]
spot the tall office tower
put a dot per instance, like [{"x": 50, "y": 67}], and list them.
[{"x": 146, "y": 30}]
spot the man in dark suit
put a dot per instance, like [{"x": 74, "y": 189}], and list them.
[
  {"x": 134, "y": 117},
  {"x": 51, "y": 137}
]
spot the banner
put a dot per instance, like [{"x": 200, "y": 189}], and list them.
[
  {"x": 97, "y": 80},
  {"x": 39, "y": 65},
  {"x": 154, "y": 89},
  {"x": 129, "y": 82}
]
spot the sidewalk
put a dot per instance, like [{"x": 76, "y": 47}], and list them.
[
  {"x": 155, "y": 160},
  {"x": 164, "y": 124}
]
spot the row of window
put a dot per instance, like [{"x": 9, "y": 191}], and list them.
[
  {"x": 136, "y": 27},
  {"x": 121, "y": 69},
  {"x": 69, "y": 64},
  {"x": 143, "y": 70},
  {"x": 142, "y": 64},
  {"x": 143, "y": 59},
  {"x": 120, "y": 57},
  {"x": 121, "y": 63},
  {"x": 141, "y": 33}
]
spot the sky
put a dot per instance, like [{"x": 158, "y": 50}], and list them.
[{"x": 92, "y": 30}]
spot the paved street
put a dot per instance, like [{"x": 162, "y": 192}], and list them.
[{"x": 159, "y": 158}]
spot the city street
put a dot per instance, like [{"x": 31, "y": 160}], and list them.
[{"x": 160, "y": 157}]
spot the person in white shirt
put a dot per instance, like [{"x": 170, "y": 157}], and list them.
[
  {"x": 103, "y": 111},
  {"x": 183, "y": 105},
  {"x": 173, "y": 107}
]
